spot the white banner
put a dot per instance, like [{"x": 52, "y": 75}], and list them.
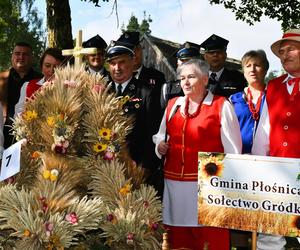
[{"x": 252, "y": 193}]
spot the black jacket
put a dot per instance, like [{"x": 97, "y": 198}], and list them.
[
  {"x": 154, "y": 79},
  {"x": 14, "y": 85},
  {"x": 170, "y": 90},
  {"x": 141, "y": 107},
  {"x": 230, "y": 82}
]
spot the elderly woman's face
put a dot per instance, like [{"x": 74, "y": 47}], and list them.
[
  {"x": 192, "y": 82},
  {"x": 254, "y": 71}
]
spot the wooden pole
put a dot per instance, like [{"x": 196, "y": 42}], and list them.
[
  {"x": 78, "y": 57},
  {"x": 254, "y": 240},
  {"x": 165, "y": 244}
]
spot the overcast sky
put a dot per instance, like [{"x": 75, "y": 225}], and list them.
[{"x": 177, "y": 21}]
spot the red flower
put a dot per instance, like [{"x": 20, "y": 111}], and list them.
[{"x": 72, "y": 218}]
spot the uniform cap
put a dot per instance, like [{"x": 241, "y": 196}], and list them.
[
  {"x": 117, "y": 48},
  {"x": 132, "y": 37},
  {"x": 214, "y": 43},
  {"x": 95, "y": 42},
  {"x": 188, "y": 50}
]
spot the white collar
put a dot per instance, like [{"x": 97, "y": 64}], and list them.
[
  {"x": 124, "y": 84},
  {"x": 92, "y": 71},
  {"x": 218, "y": 73},
  {"x": 41, "y": 82},
  {"x": 288, "y": 77}
]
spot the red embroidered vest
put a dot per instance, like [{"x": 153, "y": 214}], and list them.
[
  {"x": 32, "y": 87},
  {"x": 284, "y": 110},
  {"x": 188, "y": 136}
]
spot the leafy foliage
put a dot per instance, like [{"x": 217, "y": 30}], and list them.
[
  {"x": 15, "y": 27},
  {"x": 133, "y": 24},
  {"x": 286, "y": 12},
  {"x": 273, "y": 74},
  {"x": 96, "y": 2}
]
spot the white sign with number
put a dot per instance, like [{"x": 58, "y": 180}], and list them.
[{"x": 11, "y": 161}]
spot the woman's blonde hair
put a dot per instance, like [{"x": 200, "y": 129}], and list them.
[{"x": 260, "y": 54}]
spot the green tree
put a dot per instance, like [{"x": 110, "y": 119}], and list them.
[
  {"x": 19, "y": 21},
  {"x": 273, "y": 74},
  {"x": 133, "y": 24},
  {"x": 286, "y": 12},
  {"x": 145, "y": 25}
]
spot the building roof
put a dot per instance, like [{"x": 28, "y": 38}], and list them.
[{"x": 169, "y": 48}]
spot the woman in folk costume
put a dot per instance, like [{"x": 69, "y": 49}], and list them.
[
  {"x": 248, "y": 106},
  {"x": 248, "y": 103},
  {"x": 51, "y": 58},
  {"x": 198, "y": 121}
]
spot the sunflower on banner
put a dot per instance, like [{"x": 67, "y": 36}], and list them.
[{"x": 78, "y": 187}]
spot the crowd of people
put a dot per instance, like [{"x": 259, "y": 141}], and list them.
[{"x": 207, "y": 108}]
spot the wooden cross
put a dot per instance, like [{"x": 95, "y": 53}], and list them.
[{"x": 78, "y": 52}]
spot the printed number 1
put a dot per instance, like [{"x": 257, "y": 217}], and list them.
[{"x": 8, "y": 160}]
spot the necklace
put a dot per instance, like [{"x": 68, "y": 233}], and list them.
[
  {"x": 254, "y": 110},
  {"x": 186, "y": 109}
]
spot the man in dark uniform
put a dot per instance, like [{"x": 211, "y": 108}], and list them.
[
  {"x": 120, "y": 58},
  {"x": 153, "y": 78},
  {"x": 222, "y": 81},
  {"x": 172, "y": 89},
  {"x": 20, "y": 72},
  {"x": 95, "y": 62}
]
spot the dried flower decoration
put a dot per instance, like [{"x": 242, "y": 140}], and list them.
[
  {"x": 105, "y": 133},
  {"x": 49, "y": 228},
  {"x": 154, "y": 226},
  {"x": 70, "y": 84},
  {"x": 98, "y": 88},
  {"x": 146, "y": 204},
  {"x": 44, "y": 204},
  {"x": 72, "y": 218},
  {"x": 35, "y": 155},
  {"x": 107, "y": 146},
  {"x": 125, "y": 189},
  {"x": 130, "y": 238},
  {"x": 30, "y": 115},
  {"x": 62, "y": 133},
  {"x": 111, "y": 218},
  {"x": 52, "y": 175},
  {"x": 52, "y": 120},
  {"x": 10, "y": 180},
  {"x": 99, "y": 147},
  {"x": 54, "y": 243},
  {"x": 46, "y": 174},
  {"x": 27, "y": 233}
]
